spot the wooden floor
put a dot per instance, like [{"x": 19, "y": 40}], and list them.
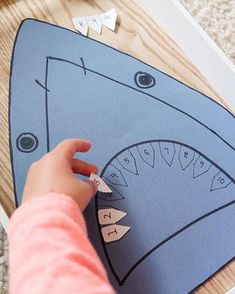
[{"x": 136, "y": 34}]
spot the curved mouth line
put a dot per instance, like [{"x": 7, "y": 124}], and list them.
[{"x": 121, "y": 281}]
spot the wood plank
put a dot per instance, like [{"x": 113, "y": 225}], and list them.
[{"x": 136, "y": 34}]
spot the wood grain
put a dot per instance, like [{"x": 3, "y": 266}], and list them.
[{"x": 136, "y": 34}]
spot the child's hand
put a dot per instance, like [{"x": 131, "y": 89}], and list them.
[{"x": 54, "y": 172}]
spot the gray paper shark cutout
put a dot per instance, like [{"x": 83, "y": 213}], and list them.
[{"x": 166, "y": 150}]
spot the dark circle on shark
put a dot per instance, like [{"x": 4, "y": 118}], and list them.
[
  {"x": 27, "y": 142},
  {"x": 144, "y": 80}
]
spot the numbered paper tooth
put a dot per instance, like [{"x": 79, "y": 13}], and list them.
[
  {"x": 110, "y": 216},
  {"x": 167, "y": 151},
  {"x": 201, "y": 166},
  {"x": 220, "y": 181},
  {"x": 109, "y": 19},
  {"x": 114, "y": 232},
  {"x": 81, "y": 25},
  {"x": 114, "y": 176},
  {"x": 186, "y": 156},
  {"x": 127, "y": 161},
  {"x": 94, "y": 22},
  {"x": 102, "y": 186},
  {"x": 147, "y": 153}
]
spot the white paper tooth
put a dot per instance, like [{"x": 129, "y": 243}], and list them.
[
  {"x": 109, "y": 19},
  {"x": 102, "y": 186},
  {"x": 114, "y": 232},
  {"x": 109, "y": 216},
  {"x": 94, "y": 22},
  {"x": 81, "y": 25}
]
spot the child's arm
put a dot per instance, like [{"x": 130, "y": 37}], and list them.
[{"x": 49, "y": 249}]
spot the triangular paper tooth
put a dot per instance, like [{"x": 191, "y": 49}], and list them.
[
  {"x": 109, "y": 19},
  {"x": 186, "y": 156},
  {"x": 108, "y": 216},
  {"x": 114, "y": 232},
  {"x": 102, "y": 186},
  {"x": 220, "y": 181},
  {"x": 94, "y": 22},
  {"x": 167, "y": 151},
  {"x": 81, "y": 25},
  {"x": 114, "y": 176},
  {"x": 127, "y": 161},
  {"x": 201, "y": 166},
  {"x": 147, "y": 153}
]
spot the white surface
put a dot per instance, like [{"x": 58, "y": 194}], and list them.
[
  {"x": 3, "y": 218},
  {"x": 201, "y": 50},
  {"x": 232, "y": 291}
]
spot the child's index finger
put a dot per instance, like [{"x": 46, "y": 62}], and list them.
[
  {"x": 83, "y": 167},
  {"x": 69, "y": 147}
]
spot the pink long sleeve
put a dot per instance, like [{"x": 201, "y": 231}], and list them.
[{"x": 50, "y": 252}]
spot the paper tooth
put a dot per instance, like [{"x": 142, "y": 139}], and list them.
[
  {"x": 109, "y": 19},
  {"x": 220, "y": 181},
  {"x": 114, "y": 232},
  {"x": 102, "y": 186},
  {"x": 81, "y": 25},
  {"x": 94, "y": 22},
  {"x": 110, "y": 216}
]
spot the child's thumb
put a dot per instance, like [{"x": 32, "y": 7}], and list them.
[{"x": 90, "y": 189}]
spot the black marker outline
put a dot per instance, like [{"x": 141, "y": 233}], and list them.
[
  {"x": 121, "y": 281},
  {"x": 83, "y": 65},
  {"x": 41, "y": 85},
  {"x": 46, "y": 108}
]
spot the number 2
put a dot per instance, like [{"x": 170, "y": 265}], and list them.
[{"x": 107, "y": 215}]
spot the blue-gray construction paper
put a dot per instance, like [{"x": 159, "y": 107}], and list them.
[{"x": 166, "y": 150}]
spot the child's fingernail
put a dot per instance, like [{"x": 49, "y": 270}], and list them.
[{"x": 87, "y": 141}]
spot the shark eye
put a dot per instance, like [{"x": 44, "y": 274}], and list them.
[
  {"x": 144, "y": 80},
  {"x": 27, "y": 142}
]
